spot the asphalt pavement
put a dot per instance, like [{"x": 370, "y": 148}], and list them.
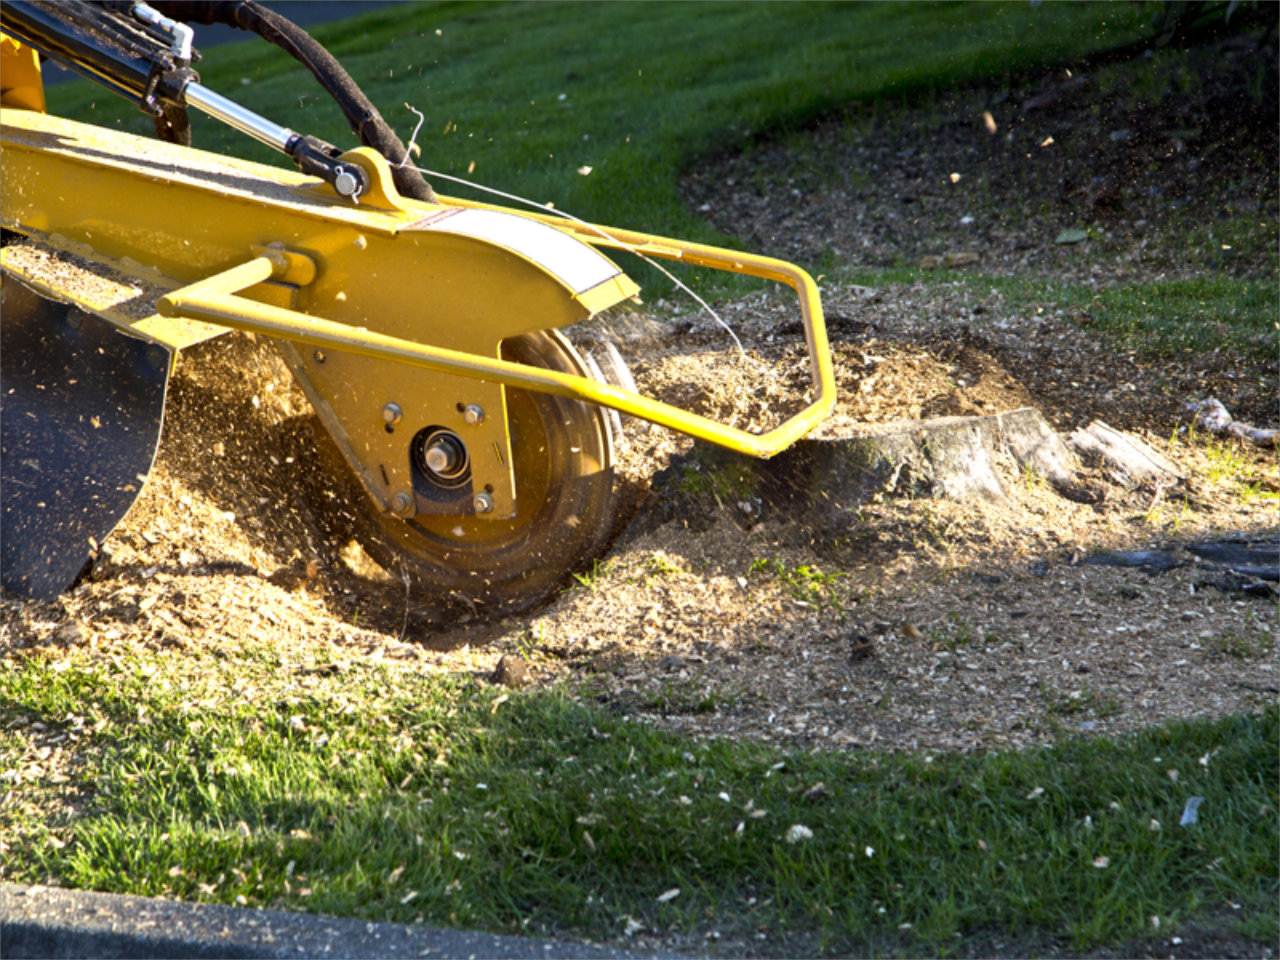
[{"x": 54, "y": 923}]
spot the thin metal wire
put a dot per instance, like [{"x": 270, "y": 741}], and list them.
[{"x": 408, "y": 151}]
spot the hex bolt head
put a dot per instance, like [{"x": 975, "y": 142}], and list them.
[
  {"x": 483, "y": 503},
  {"x": 442, "y": 457},
  {"x": 473, "y": 414},
  {"x": 401, "y": 503},
  {"x": 392, "y": 414}
]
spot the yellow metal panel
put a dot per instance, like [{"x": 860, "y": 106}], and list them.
[
  {"x": 192, "y": 215},
  {"x": 394, "y": 292},
  {"x": 215, "y": 301},
  {"x": 21, "y": 84}
]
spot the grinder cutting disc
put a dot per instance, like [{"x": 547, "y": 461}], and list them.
[
  {"x": 563, "y": 459},
  {"x": 81, "y": 406}
]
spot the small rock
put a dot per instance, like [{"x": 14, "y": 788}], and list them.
[
  {"x": 798, "y": 833},
  {"x": 671, "y": 662},
  {"x": 959, "y": 259},
  {"x": 1071, "y": 236},
  {"x": 511, "y": 672},
  {"x": 1124, "y": 133},
  {"x": 930, "y": 263},
  {"x": 72, "y": 634},
  {"x": 861, "y": 647}
]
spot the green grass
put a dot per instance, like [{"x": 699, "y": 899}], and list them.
[
  {"x": 381, "y": 794},
  {"x": 598, "y": 574},
  {"x": 663, "y": 565},
  {"x": 638, "y": 108},
  {"x": 1176, "y": 318},
  {"x": 807, "y": 585},
  {"x": 529, "y": 93},
  {"x": 953, "y": 637},
  {"x": 1186, "y": 316}
]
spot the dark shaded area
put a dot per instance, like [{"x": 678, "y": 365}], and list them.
[
  {"x": 305, "y": 13},
  {"x": 1156, "y": 140},
  {"x": 82, "y": 409}
]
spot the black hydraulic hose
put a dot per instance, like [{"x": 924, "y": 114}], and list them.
[{"x": 360, "y": 112}]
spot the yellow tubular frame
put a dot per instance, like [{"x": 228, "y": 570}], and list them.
[{"x": 215, "y": 300}]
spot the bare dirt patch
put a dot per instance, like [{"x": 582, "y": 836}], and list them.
[{"x": 993, "y": 175}]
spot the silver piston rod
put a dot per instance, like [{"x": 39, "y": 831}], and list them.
[
  {"x": 235, "y": 116},
  {"x": 348, "y": 180}
]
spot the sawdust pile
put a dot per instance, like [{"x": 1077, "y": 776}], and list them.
[{"x": 936, "y": 624}]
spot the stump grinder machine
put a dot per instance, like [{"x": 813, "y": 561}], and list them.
[{"x": 423, "y": 330}]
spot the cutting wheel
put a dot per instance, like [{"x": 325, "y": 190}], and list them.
[{"x": 563, "y": 458}]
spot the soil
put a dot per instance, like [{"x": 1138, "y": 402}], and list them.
[
  {"x": 993, "y": 175},
  {"x": 929, "y": 624}
]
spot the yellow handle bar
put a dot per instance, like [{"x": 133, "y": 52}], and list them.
[{"x": 215, "y": 300}]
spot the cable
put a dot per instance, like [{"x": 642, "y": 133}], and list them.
[{"x": 413, "y": 139}]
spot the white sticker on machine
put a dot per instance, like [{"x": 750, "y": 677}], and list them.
[{"x": 579, "y": 266}]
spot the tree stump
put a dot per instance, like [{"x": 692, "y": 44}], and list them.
[
  {"x": 823, "y": 482},
  {"x": 1126, "y": 459}
]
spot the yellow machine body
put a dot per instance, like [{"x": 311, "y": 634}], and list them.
[
  {"x": 391, "y": 285},
  {"x": 21, "y": 83},
  {"x": 403, "y": 274}
]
